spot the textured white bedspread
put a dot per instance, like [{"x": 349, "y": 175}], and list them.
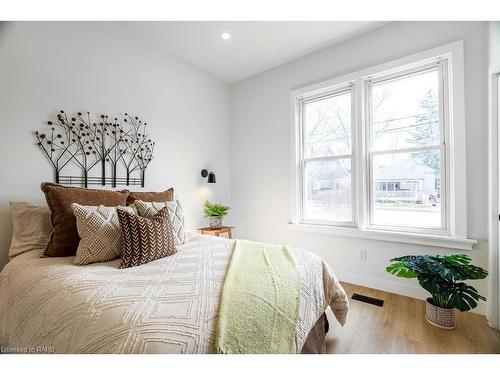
[{"x": 166, "y": 306}]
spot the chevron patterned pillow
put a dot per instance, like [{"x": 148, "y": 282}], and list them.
[
  {"x": 99, "y": 231},
  {"x": 149, "y": 209},
  {"x": 145, "y": 239}
]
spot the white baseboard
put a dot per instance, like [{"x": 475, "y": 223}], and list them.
[
  {"x": 381, "y": 284},
  {"x": 392, "y": 287}
]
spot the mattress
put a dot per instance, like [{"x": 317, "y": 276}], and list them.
[{"x": 166, "y": 306}]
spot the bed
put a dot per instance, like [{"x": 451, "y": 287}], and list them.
[{"x": 166, "y": 306}]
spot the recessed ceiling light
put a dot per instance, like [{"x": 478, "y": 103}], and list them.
[{"x": 225, "y": 36}]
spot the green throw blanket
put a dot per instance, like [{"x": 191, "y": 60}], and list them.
[{"x": 260, "y": 300}]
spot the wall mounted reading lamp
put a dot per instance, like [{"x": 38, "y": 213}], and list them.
[{"x": 211, "y": 176}]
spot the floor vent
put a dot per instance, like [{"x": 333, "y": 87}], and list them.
[{"x": 370, "y": 300}]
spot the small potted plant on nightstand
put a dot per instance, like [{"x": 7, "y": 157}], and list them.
[
  {"x": 442, "y": 277},
  {"x": 215, "y": 213}
]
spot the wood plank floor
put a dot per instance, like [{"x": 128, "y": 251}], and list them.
[{"x": 400, "y": 327}]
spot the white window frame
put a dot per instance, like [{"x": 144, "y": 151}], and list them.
[
  {"x": 302, "y": 101},
  {"x": 454, "y": 234},
  {"x": 441, "y": 65}
]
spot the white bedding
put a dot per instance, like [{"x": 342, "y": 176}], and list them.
[{"x": 166, "y": 306}]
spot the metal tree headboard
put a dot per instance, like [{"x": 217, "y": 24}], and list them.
[{"x": 121, "y": 145}]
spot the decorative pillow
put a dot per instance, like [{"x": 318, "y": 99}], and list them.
[
  {"x": 144, "y": 239},
  {"x": 150, "y": 209},
  {"x": 151, "y": 196},
  {"x": 64, "y": 238},
  {"x": 100, "y": 232},
  {"x": 30, "y": 227}
]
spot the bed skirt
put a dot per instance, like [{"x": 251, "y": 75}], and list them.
[{"x": 316, "y": 340}]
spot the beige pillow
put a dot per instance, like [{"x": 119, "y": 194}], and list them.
[
  {"x": 150, "y": 209},
  {"x": 99, "y": 231},
  {"x": 30, "y": 227}
]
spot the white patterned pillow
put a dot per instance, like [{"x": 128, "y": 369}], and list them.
[
  {"x": 150, "y": 209},
  {"x": 100, "y": 233}
]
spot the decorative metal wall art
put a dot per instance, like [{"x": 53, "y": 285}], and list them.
[{"x": 97, "y": 148}]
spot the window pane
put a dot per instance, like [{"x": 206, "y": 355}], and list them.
[
  {"x": 407, "y": 189},
  {"x": 327, "y": 126},
  {"x": 327, "y": 190},
  {"x": 405, "y": 112}
]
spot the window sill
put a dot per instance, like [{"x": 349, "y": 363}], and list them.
[{"x": 372, "y": 234}]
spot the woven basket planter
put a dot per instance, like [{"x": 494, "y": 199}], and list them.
[{"x": 438, "y": 316}]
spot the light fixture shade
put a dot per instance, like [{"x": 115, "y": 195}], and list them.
[{"x": 211, "y": 178}]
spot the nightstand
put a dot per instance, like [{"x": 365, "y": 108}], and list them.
[{"x": 216, "y": 232}]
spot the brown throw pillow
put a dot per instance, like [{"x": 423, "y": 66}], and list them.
[
  {"x": 151, "y": 196},
  {"x": 144, "y": 239},
  {"x": 64, "y": 238}
]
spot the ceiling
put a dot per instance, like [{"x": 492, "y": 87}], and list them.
[{"x": 253, "y": 47}]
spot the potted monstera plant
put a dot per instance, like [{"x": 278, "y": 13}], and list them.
[
  {"x": 442, "y": 276},
  {"x": 215, "y": 212}
]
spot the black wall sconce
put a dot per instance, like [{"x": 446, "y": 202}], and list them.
[{"x": 211, "y": 176}]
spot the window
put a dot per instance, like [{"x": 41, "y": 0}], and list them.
[
  {"x": 377, "y": 150},
  {"x": 327, "y": 157},
  {"x": 406, "y": 143}
]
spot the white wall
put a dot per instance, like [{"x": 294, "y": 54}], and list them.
[
  {"x": 107, "y": 68},
  {"x": 494, "y": 262},
  {"x": 494, "y": 44},
  {"x": 260, "y": 147}
]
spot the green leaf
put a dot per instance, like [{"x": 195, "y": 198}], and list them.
[
  {"x": 413, "y": 262},
  {"x": 215, "y": 209},
  {"x": 470, "y": 272},
  {"x": 464, "y": 297},
  {"x": 456, "y": 259},
  {"x": 400, "y": 269},
  {"x": 434, "y": 266},
  {"x": 439, "y": 288}
]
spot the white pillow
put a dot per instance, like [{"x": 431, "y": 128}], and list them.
[
  {"x": 100, "y": 233},
  {"x": 31, "y": 227},
  {"x": 150, "y": 209}
]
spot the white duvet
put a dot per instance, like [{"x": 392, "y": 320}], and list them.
[{"x": 166, "y": 306}]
